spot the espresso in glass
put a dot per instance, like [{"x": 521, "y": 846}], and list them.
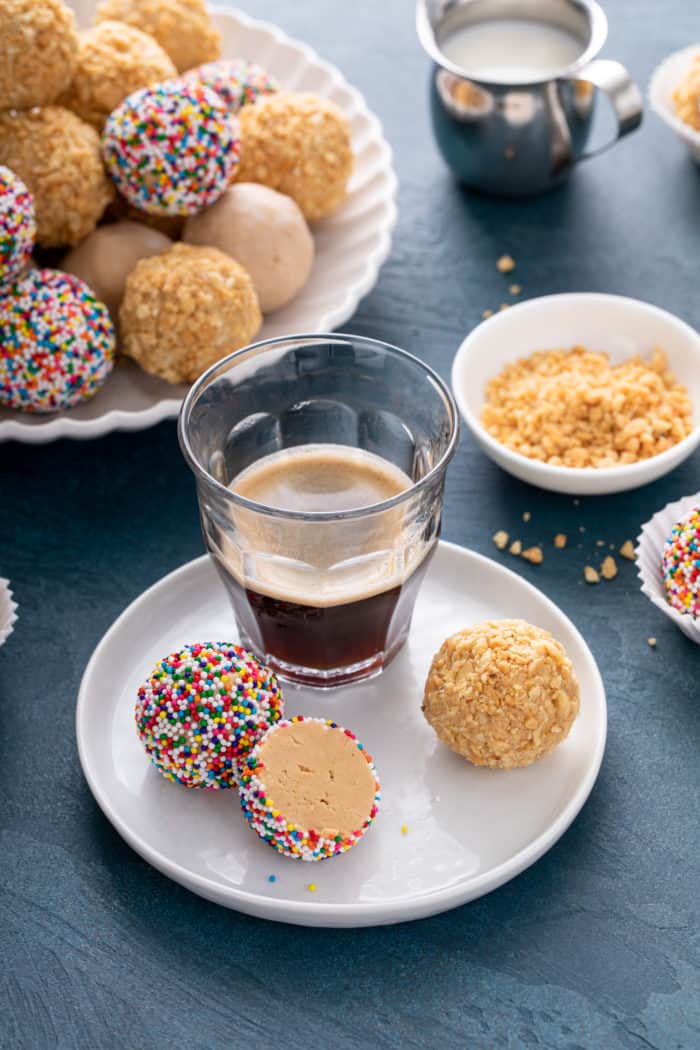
[
  {"x": 320, "y": 464},
  {"x": 359, "y": 610}
]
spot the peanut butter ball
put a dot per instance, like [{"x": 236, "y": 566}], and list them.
[
  {"x": 182, "y": 27},
  {"x": 299, "y": 145},
  {"x": 502, "y": 693},
  {"x": 38, "y": 51},
  {"x": 57, "y": 156},
  {"x": 264, "y": 231},
  {"x": 185, "y": 309},
  {"x": 114, "y": 59},
  {"x": 107, "y": 256}
]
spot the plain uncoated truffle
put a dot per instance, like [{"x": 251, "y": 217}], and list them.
[
  {"x": 182, "y": 27},
  {"x": 185, "y": 309},
  {"x": 114, "y": 59},
  {"x": 38, "y": 51},
  {"x": 57, "y": 156},
  {"x": 107, "y": 256},
  {"x": 502, "y": 693},
  {"x": 266, "y": 233},
  {"x": 299, "y": 145}
]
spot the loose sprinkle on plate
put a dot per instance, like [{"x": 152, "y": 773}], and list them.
[
  {"x": 506, "y": 264},
  {"x": 651, "y": 642},
  {"x": 560, "y": 541}
]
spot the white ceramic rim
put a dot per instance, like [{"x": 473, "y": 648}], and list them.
[
  {"x": 380, "y": 912},
  {"x": 608, "y": 476},
  {"x": 168, "y": 408},
  {"x": 648, "y": 550},
  {"x": 8, "y": 611},
  {"x": 657, "y": 90}
]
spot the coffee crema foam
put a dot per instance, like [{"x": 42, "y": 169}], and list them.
[{"x": 321, "y": 563}]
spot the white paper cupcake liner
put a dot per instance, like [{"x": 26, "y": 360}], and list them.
[
  {"x": 664, "y": 81},
  {"x": 8, "y": 613},
  {"x": 650, "y": 544}
]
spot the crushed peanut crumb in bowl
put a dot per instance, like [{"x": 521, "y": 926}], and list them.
[
  {"x": 582, "y": 393},
  {"x": 674, "y": 95}
]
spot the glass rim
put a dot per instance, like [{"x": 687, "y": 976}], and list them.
[{"x": 316, "y": 516}]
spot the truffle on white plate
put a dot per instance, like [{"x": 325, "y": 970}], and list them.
[
  {"x": 266, "y": 233},
  {"x": 107, "y": 256}
]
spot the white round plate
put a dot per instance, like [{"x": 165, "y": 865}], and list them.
[
  {"x": 468, "y": 830},
  {"x": 350, "y": 246}
]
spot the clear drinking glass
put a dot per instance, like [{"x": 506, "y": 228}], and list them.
[{"x": 324, "y": 596}]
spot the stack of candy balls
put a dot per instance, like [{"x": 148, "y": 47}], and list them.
[
  {"x": 210, "y": 715},
  {"x": 57, "y": 341},
  {"x": 680, "y": 565},
  {"x": 119, "y": 140}
]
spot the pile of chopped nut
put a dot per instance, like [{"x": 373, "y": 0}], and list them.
[
  {"x": 608, "y": 569},
  {"x": 686, "y": 97},
  {"x": 575, "y": 409}
]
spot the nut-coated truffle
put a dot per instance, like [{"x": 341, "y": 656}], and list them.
[
  {"x": 264, "y": 231},
  {"x": 57, "y": 156},
  {"x": 114, "y": 59},
  {"x": 181, "y": 27},
  {"x": 502, "y": 693},
  {"x": 185, "y": 309},
  {"x": 38, "y": 51},
  {"x": 299, "y": 145}
]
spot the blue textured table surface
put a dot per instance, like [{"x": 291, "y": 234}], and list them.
[{"x": 596, "y": 945}]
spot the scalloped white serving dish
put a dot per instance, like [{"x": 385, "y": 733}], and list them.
[
  {"x": 350, "y": 246},
  {"x": 8, "y": 611},
  {"x": 650, "y": 545}
]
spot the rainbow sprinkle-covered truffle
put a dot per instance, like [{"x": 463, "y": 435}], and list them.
[
  {"x": 680, "y": 565},
  {"x": 202, "y": 709},
  {"x": 270, "y": 823},
  {"x": 171, "y": 149},
  {"x": 57, "y": 342},
  {"x": 17, "y": 224},
  {"x": 236, "y": 81}
]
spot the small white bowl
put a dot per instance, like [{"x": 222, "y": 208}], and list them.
[
  {"x": 650, "y": 545},
  {"x": 8, "y": 611},
  {"x": 664, "y": 81},
  {"x": 619, "y": 326}
]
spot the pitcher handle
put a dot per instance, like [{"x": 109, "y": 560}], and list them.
[{"x": 626, "y": 98}]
